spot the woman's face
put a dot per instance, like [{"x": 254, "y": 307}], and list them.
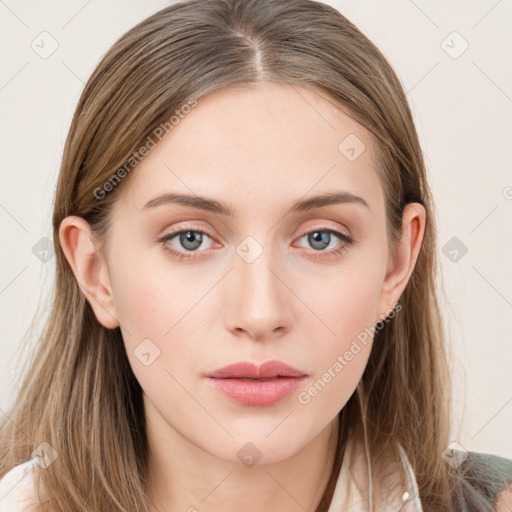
[{"x": 267, "y": 281}]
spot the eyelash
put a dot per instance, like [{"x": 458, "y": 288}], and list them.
[{"x": 347, "y": 241}]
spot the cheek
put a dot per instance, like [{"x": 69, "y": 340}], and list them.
[
  {"x": 149, "y": 291},
  {"x": 161, "y": 315},
  {"x": 347, "y": 304},
  {"x": 340, "y": 358},
  {"x": 347, "y": 301}
]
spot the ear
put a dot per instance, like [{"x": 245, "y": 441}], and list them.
[
  {"x": 89, "y": 268},
  {"x": 400, "y": 267}
]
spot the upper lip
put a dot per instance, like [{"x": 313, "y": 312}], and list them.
[{"x": 246, "y": 369}]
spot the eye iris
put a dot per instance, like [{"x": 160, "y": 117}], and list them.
[
  {"x": 318, "y": 239},
  {"x": 319, "y": 236},
  {"x": 191, "y": 237}
]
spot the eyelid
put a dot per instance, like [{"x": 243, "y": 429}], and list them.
[
  {"x": 188, "y": 227},
  {"x": 323, "y": 227},
  {"x": 319, "y": 227}
]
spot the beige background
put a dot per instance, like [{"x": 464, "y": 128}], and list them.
[{"x": 462, "y": 103}]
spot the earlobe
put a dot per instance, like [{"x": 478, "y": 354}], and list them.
[
  {"x": 89, "y": 268},
  {"x": 401, "y": 266}
]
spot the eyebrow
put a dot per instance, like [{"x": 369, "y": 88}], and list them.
[{"x": 211, "y": 205}]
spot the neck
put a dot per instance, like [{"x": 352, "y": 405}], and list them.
[{"x": 184, "y": 477}]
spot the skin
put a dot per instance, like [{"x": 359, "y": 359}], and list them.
[
  {"x": 504, "y": 501},
  {"x": 257, "y": 151}
]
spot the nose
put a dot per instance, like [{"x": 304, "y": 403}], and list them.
[{"x": 259, "y": 302}]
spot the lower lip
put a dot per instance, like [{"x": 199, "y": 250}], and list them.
[{"x": 257, "y": 393}]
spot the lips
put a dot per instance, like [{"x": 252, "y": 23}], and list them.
[
  {"x": 253, "y": 385},
  {"x": 247, "y": 370}
]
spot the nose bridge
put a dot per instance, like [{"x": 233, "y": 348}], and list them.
[
  {"x": 256, "y": 267},
  {"x": 259, "y": 302}
]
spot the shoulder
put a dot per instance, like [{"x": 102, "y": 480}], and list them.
[
  {"x": 18, "y": 491},
  {"x": 504, "y": 501},
  {"x": 483, "y": 482}
]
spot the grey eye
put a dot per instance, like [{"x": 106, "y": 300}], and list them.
[
  {"x": 319, "y": 239},
  {"x": 190, "y": 240}
]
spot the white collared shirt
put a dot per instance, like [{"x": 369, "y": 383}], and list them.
[
  {"x": 18, "y": 491},
  {"x": 353, "y": 490}
]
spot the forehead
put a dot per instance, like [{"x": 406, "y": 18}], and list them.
[{"x": 270, "y": 144}]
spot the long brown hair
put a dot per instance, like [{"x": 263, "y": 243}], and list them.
[{"x": 79, "y": 393}]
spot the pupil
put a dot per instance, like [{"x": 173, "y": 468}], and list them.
[
  {"x": 192, "y": 237},
  {"x": 322, "y": 237}
]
